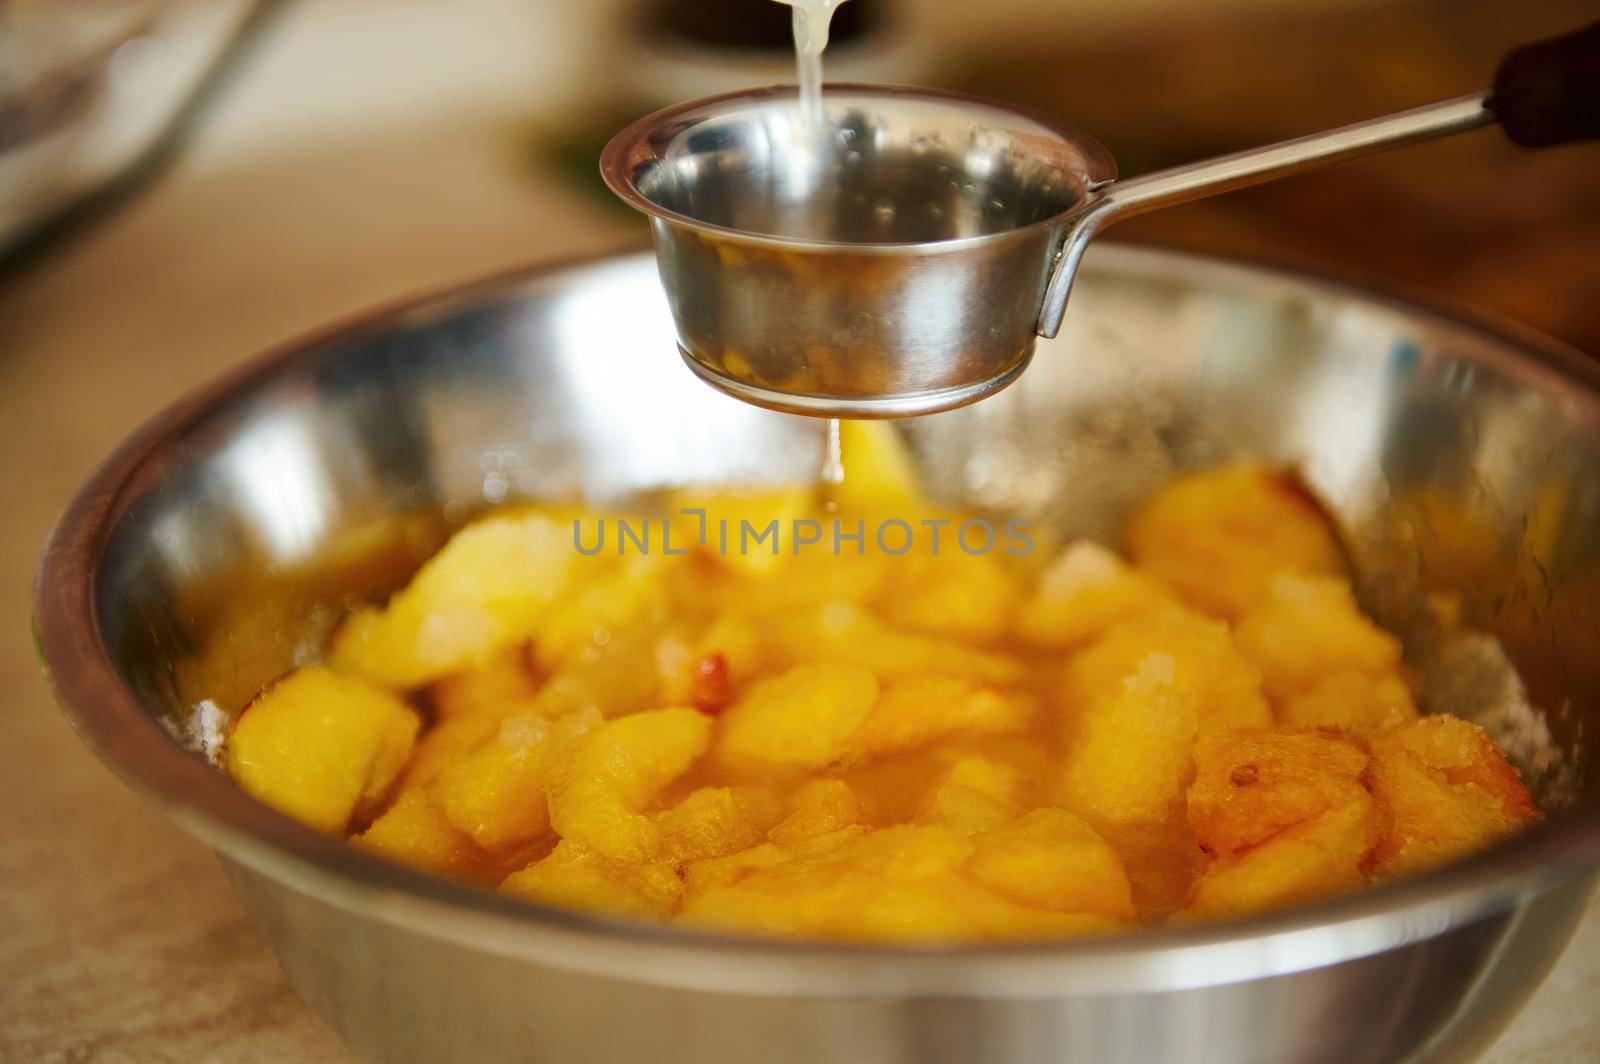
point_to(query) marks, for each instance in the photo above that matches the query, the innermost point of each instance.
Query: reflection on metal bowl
(1462, 460)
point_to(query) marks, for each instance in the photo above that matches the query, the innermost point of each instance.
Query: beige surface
(119, 938)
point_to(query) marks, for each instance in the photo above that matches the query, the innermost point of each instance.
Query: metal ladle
(903, 258)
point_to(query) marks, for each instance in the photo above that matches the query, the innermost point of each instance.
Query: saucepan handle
(1546, 93)
(1549, 93)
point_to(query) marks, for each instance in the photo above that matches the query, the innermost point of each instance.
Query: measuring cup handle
(1546, 93)
(1549, 92)
(1180, 184)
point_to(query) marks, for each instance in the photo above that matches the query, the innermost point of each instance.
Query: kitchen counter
(120, 939)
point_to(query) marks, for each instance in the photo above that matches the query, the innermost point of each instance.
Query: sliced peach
(1251, 785)
(321, 747)
(1221, 536)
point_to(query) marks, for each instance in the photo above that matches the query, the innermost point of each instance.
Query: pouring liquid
(831, 475)
(811, 20)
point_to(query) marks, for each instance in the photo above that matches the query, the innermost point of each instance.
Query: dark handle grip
(1549, 92)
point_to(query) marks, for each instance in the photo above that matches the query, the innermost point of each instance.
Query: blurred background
(184, 183)
(426, 140)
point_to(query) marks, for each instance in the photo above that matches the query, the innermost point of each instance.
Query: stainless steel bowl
(211, 550)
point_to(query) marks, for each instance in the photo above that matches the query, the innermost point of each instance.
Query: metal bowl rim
(1099, 171)
(113, 723)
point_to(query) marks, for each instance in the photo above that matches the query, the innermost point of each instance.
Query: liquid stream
(811, 21)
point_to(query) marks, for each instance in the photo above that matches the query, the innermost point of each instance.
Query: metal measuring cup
(903, 258)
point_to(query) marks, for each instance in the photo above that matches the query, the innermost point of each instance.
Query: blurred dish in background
(94, 93)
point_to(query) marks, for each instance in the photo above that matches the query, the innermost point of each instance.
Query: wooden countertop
(120, 940)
